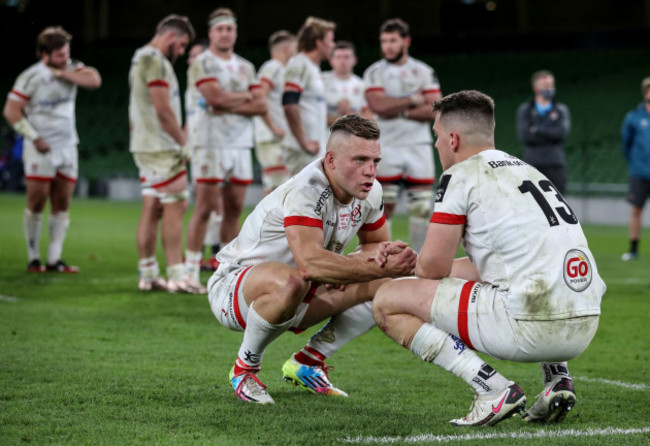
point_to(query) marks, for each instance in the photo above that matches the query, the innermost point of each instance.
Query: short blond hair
(312, 30)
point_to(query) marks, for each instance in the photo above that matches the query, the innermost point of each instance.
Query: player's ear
(329, 159)
(454, 141)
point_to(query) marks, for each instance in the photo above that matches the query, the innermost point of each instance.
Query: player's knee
(418, 203)
(382, 302)
(391, 193)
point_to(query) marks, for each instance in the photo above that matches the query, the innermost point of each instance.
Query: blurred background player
(400, 91)
(543, 124)
(344, 91)
(271, 277)
(304, 95)
(222, 133)
(41, 108)
(157, 142)
(212, 238)
(635, 136)
(271, 127)
(528, 290)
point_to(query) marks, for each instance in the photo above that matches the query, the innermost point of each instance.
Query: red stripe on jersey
(371, 89)
(254, 86)
(170, 180)
(235, 299)
(374, 226)
(66, 177)
(238, 181)
(303, 221)
(463, 304)
(274, 169)
(20, 95)
(389, 179)
(431, 90)
(268, 81)
(38, 178)
(204, 80)
(448, 219)
(420, 180)
(292, 85)
(158, 83)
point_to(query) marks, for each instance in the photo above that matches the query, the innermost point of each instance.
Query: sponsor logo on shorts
(577, 270)
(475, 293)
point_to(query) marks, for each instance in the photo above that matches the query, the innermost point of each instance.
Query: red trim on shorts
(303, 221)
(374, 226)
(171, 180)
(371, 89)
(463, 304)
(209, 180)
(268, 81)
(420, 180)
(448, 219)
(204, 80)
(235, 299)
(241, 182)
(389, 179)
(21, 95)
(67, 178)
(158, 83)
(274, 169)
(38, 178)
(291, 84)
(254, 86)
(431, 90)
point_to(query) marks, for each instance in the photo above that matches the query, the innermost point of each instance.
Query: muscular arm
(266, 117)
(13, 112)
(381, 104)
(317, 264)
(161, 102)
(436, 258)
(86, 77)
(424, 112)
(257, 106)
(221, 99)
(292, 112)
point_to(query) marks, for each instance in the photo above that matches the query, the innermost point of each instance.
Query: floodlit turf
(87, 359)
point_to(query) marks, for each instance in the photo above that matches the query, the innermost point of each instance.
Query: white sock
(447, 351)
(553, 370)
(176, 272)
(212, 234)
(342, 328)
(258, 335)
(148, 268)
(418, 227)
(32, 224)
(193, 264)
(59, 223)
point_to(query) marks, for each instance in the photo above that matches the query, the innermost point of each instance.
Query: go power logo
(577, 270)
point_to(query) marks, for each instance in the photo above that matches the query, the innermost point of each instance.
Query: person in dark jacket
(542, 126)
(635, 138)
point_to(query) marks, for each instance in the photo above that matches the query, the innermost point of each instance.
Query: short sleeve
(451, 200)
(25, 86)
(296, 74)
(304, 207)
(430, 82)
(152, 71)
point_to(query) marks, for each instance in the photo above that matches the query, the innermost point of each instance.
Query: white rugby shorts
(62, 162)
(220, 165)
(413, 163)
(477, 313)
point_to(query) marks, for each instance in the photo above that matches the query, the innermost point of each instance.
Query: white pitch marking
(430, 438)
(614, 383)
(4, 298)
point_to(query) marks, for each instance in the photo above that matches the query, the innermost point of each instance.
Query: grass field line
(543, 433)
(614, 383)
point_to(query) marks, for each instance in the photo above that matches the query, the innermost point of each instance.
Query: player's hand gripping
(398, 259)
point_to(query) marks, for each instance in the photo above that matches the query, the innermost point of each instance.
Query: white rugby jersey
(272, 73)
(521, 236)
(149, 67)
(223, 130)
(50, 103)
(337, 89)
(399, 81)
(306, 200)
(305, 75)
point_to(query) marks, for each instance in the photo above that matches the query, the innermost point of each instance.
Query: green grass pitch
(87, 359)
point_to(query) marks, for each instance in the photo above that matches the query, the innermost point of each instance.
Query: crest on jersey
(577, 270)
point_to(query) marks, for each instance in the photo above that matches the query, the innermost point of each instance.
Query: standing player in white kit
(41, 107)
